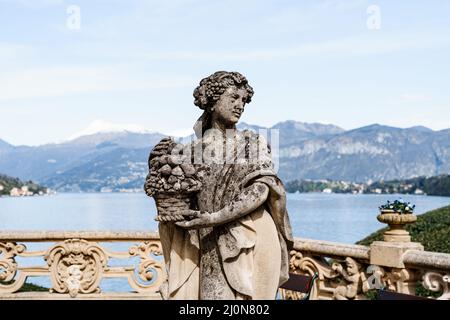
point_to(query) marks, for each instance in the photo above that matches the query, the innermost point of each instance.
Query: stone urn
(397, 223)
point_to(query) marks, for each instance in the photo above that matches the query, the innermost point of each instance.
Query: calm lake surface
(334, 217)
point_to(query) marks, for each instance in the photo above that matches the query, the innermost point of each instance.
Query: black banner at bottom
(165, 310)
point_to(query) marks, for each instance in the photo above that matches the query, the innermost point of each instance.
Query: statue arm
(246, 202)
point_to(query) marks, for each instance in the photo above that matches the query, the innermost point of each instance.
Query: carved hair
(212, 87)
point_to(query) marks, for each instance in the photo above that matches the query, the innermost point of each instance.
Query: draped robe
(247, 258)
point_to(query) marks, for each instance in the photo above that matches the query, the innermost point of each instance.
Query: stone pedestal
(396, 242)
(390, 254)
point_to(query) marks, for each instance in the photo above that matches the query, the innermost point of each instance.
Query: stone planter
(397, 223)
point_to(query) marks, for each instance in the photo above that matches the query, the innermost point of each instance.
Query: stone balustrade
(351, 272)
(76, 263)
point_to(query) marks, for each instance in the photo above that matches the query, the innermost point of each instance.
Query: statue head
(352, 266)
(222, 96)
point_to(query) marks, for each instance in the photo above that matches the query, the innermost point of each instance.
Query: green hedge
(27, 287)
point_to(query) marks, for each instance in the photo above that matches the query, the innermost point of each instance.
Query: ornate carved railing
(353, 271)
(76, 263)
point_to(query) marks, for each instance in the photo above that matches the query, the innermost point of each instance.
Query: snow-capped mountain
(101, 126)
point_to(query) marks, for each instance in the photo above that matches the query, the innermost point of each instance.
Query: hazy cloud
(68, 80)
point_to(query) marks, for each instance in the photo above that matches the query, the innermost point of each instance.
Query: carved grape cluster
(214, 90)
(170, 173)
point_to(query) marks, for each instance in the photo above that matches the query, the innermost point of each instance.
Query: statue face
(352, 267)
(229, 108)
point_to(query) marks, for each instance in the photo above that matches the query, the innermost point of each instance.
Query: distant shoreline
(288, 193)
(433, 186)
(14, 187)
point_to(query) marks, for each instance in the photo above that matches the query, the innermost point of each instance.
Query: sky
(68, 67)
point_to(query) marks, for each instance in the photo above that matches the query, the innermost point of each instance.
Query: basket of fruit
(172, 181)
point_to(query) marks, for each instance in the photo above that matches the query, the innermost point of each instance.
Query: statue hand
(190, 214)
(201, 220)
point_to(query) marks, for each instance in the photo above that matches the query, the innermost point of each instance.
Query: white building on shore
(22, 192)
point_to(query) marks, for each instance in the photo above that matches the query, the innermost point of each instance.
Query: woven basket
(169, 206)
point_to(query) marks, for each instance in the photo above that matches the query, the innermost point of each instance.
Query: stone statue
(230, 236)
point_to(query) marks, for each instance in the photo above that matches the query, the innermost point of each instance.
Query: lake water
(334, 217)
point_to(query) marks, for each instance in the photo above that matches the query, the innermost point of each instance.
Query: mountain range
(117, 161)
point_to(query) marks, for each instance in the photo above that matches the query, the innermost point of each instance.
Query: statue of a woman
(236, 245)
